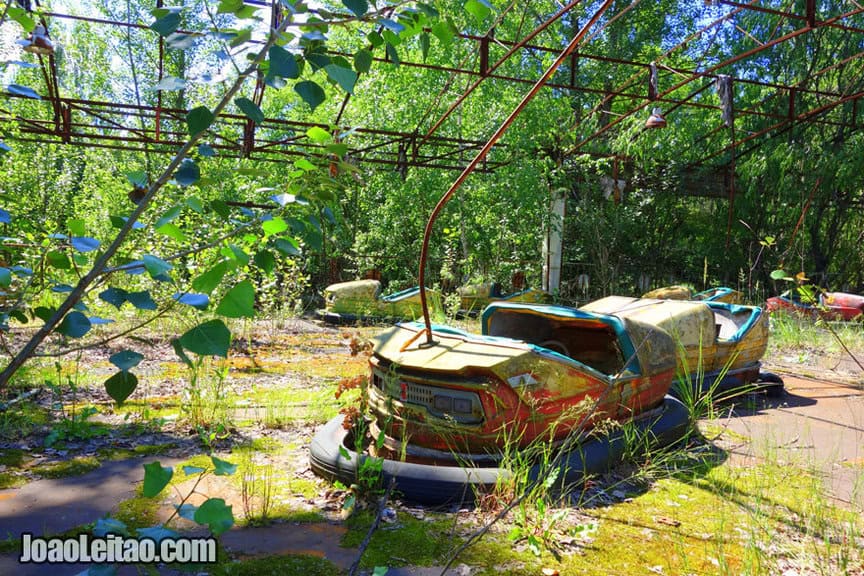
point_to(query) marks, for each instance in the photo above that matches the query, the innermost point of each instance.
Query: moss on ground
(13, 457)
(74, 467)
(138, 512)
(11, 480)
(279, 566)
(111, 453)
(407, 542)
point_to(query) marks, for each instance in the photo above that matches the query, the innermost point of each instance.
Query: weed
(257, 487)
(205, 404)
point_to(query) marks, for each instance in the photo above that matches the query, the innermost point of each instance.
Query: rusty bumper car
(448, 411)
(361, 301)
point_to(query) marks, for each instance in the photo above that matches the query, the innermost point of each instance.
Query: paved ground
(818, 423)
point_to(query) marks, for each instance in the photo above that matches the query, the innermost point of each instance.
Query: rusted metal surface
(494, 51)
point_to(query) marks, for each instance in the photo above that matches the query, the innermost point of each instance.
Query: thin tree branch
(110, 338)
(382, 503)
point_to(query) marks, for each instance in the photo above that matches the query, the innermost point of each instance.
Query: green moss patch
(111, 453)
(407, 542)
(11, 480)
(279, 566)
(14, 457)
(74, 467)
(138, 512)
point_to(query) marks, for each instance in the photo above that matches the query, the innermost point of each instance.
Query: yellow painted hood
(404, 346)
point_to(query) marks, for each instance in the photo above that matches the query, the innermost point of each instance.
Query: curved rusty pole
(482, 154)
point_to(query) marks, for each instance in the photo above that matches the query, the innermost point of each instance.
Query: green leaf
(424, 45)
(375, 39)
(241, 37)
(305, 165)
(311, 93)
(141, 300)
(236, 253)
(358, 7)
(114, 296)
(318, 135)
(265, 260)
(138, 178)
(274, 226)
(391, 38)
(229, 6)
(288, 246)
(167, 24)
(44, 313)
(209, 280)
(216, 515)
(211, 338)
(20, 16)
(121, 385)
(74, 325)
(188, 173)
(239, 302)
(338, 148)
(168, 216)
(194, 204)
(156, 478)
(363, 61)
(155, 266)
(445, 31)
(77, 226)
(345, 77)
(380, 570)
(778, 274)
(172, 231)
(126, 359)
(392, 54)
(221, 208)
(222, 467)
(58, 260)
(198, 119)
(6, 276)
(479, 9)
(250, 109)
(283, 63)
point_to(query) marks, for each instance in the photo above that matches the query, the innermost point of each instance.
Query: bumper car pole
(424, 251)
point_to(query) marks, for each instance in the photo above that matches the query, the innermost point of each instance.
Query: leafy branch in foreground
(296, 58)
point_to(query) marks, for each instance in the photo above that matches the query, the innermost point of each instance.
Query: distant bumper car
(360, 301)
(719, 294)
(719, 345)
(832, 305)
(475, 297)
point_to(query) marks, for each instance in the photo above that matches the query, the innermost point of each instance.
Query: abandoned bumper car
(361, 301)
(444, 412)
(473, 298)
(826, 305)
(718, 294)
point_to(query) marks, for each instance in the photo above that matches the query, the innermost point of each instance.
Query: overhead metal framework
(729, 126)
